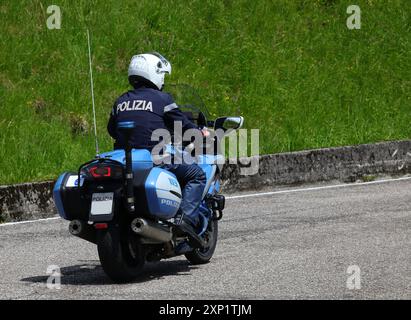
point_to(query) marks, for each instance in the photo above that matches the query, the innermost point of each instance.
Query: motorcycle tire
(202, 256)
(122, 258)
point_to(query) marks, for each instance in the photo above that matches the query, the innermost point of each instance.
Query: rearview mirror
(227, 123)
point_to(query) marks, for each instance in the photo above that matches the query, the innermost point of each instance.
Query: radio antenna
(92, 94)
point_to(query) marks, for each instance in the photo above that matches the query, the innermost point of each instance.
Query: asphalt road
(274, 246)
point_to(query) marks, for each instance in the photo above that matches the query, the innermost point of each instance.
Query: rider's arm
(173, 113)
(176, 114)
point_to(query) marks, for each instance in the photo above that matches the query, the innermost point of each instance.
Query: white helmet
(150, 66)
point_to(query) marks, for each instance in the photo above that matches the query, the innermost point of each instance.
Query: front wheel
(201, 256)
(121, 255)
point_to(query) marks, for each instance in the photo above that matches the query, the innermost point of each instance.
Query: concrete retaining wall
(346, 164)
(26, 201)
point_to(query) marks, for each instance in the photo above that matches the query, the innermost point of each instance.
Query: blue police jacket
(150, 109)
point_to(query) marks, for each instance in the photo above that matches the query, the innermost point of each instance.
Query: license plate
(102, 204)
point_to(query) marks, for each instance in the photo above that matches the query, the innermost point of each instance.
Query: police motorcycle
(127, 206)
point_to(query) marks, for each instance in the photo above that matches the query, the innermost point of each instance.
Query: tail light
(104, 170)
(100, 171)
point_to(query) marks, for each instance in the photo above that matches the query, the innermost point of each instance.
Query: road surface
(288, 244)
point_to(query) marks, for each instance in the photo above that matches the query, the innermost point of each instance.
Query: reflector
(100, 226)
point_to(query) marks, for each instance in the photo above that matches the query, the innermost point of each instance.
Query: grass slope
(291, 68)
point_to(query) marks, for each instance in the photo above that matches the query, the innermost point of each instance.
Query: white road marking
(27, 221)
(253, 195)
(316, 188)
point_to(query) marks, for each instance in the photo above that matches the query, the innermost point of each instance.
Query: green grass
(368, 178)
(291, 68)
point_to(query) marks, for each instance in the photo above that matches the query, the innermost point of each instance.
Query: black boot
(185, 226)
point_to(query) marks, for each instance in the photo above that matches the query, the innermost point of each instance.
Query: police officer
(152, 109)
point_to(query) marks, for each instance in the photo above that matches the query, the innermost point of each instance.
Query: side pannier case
(66, 194)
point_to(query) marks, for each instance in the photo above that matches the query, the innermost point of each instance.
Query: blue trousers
(192, 180)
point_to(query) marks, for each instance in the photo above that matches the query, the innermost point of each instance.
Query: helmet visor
(164, 61)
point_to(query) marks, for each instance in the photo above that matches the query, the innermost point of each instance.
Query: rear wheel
(121, 255)
(201, 256)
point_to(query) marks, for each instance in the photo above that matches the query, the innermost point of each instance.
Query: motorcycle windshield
(188, 100)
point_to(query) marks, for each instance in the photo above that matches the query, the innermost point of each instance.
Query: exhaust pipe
(151, 230)
(82, 230)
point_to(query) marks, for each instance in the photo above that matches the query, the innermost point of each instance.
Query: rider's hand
(205, 132)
